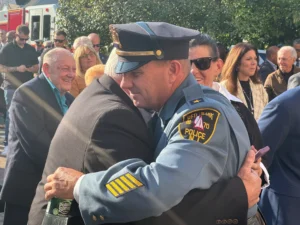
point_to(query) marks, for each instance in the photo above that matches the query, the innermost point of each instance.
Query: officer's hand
(61, 184)
(21, 68)
(250, 179)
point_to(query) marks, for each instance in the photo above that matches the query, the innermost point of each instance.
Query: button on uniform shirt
(11, 55)
(61, 99)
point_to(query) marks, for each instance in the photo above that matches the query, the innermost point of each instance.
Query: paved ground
(2, 166)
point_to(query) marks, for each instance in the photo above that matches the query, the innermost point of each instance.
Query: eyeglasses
(58, 40)
(203, 63)
(97, 45)
(85, 56)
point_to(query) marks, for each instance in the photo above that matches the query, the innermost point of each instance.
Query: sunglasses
(58, 40)
(22, 39)
(97, 45)
(203, 63)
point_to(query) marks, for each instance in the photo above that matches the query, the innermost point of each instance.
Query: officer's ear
(175, 69)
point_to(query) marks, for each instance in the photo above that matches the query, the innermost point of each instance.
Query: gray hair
(290, 49)
(55, 54)
(111, 65)
(83, 40)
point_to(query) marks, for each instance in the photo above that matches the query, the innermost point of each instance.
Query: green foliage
(261, 22)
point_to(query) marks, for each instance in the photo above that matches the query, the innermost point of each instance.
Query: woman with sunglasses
(206, 66)
(85, 57)
(240, 77)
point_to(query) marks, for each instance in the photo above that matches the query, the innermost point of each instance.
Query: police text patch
(199, 125)
(123, 185)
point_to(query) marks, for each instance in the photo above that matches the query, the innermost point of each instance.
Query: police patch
(199, 125)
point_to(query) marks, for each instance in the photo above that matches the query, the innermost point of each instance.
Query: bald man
(36, 110)
(95, 38)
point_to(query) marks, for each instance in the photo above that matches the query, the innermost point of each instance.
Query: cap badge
(115, 37)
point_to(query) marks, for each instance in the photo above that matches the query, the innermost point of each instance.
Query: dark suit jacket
(34, 117)
(280, 128)
(265, 69)
(106, 128)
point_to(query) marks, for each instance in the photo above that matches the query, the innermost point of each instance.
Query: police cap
(141, 42)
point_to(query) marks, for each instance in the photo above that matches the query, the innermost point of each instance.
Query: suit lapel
(49, 94)
(240, 93)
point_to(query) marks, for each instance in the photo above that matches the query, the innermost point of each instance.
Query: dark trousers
(15, 214)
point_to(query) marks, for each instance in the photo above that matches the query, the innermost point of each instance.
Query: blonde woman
(85, 57)
(240, 77)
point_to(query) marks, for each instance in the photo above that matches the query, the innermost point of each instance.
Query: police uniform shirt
(204, 141)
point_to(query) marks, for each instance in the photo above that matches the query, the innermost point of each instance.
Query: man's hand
(251, 179)
(256, 164)
(33, 69)
(21, 68)
(61, 184)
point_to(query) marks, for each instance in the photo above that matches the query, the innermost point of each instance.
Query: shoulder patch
(199, 125)
(123, 185)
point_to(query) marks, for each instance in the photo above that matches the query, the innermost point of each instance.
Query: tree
(262, 22)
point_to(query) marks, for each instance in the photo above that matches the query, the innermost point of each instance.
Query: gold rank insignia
(123, 185)
(199, 125)
(195, 101)
(115, 37)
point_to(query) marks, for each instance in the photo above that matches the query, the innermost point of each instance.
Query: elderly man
(201, 139)
(296, 45)
(270, 64)
(95, 39)
(36, 110)
(276, 82)
(280, 128)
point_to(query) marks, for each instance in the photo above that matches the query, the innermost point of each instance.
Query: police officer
(202, 138)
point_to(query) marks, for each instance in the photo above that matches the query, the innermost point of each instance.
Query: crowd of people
(133, 138)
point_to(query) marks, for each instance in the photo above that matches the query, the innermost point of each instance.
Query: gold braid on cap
(115, 36)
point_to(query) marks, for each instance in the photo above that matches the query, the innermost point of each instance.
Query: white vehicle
(41, 21)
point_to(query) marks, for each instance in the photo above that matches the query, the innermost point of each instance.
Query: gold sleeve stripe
(116, 187)
(127, 182)
(121, 184)
(134, 180)
(111, 190)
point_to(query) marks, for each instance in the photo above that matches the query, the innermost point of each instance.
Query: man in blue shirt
(36, 111)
